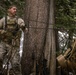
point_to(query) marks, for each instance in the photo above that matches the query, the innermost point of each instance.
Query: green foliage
(65, 18)
(4, 4)
(65, 13)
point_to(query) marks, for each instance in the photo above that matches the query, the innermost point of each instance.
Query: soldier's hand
(3, 31)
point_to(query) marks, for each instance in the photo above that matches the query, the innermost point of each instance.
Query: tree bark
(36, 19)
(39, 40)
(50, 48)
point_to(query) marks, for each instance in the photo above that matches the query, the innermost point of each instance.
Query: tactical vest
(11, 28)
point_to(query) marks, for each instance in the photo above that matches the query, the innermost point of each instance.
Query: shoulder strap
(5, 24)
(17, 21)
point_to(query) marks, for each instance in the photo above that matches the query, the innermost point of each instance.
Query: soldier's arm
(21, 24)
(1, 25)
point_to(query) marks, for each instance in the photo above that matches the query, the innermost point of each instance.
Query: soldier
(10, 26)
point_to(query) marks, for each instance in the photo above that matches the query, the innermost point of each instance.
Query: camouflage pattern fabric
(12, 32)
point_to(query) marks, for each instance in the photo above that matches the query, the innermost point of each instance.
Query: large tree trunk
(50, 48)
(38, 19)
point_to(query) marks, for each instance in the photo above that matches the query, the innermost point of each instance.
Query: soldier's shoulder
(20, 20)
(2, 19)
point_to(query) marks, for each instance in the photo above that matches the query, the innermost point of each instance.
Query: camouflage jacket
(10, 26)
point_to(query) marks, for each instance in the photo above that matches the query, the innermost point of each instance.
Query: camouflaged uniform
(10, 41)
